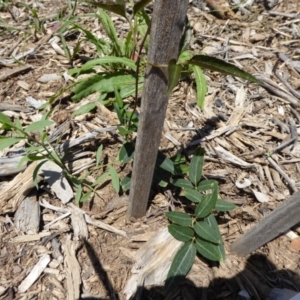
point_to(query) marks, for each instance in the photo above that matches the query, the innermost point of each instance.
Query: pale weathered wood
(166, 31)
(276, 223)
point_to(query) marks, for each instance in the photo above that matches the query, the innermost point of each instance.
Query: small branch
(281, 172)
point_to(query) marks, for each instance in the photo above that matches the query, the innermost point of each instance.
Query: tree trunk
(166, 31)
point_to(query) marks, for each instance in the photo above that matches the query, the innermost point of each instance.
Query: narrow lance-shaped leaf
(36, 173)
(101, 178)
(196, 166)
(174, 75)
(110, 30)
(7, 142)
(201, 86)
(114, 179)
(85, 197)
(84, 109)
(99, 154)
(117, 8)
(183, 234)
(223, 205)
(78, 194)
(181, 265)
(38, 125)
(104, 61)
(180, 218)
(218, 65)
(140, 5)
(5, 120)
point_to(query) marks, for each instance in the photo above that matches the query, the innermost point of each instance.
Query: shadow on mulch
(252, 279)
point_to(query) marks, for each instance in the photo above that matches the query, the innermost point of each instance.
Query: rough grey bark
(166, 30)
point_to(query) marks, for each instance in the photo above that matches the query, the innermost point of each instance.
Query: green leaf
(103, 61)
(160, 178)
(184, 56)
(183, 234)
(23, 161)
(196, 166)
(174, 75)
(118, 98)
(39, 125)
(181, 265)
(117, 8)
(206, 232)
(223, 205)
(114, 179)
(99, 154)
(36, 173)
(180, 218)
(123, 131)
(78, 194)
(183, 183)
(212, 222)
(206, 185)
(218, 65)
(208, 250)
(186, 37)
(125, 183)
(19, 127)
(164, 163)
(84, 109)
(34, 157)
(85, 197)
(110, 30)
(140, 5)
(5, 120)
(65, 48)
(101, 178)
(193, 195)
(201, 86)
(103, 83)
(7, 142)
(126, 152)
(221, 250)
(204, 208)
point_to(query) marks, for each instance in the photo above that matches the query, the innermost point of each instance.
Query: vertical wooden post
(166, 30)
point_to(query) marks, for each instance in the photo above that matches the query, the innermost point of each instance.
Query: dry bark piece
(221, 8)
(153, 261)
(276, 223)
(30, 237)
(229, 157)
(14, 193)
(34, 274)
(15, 71)
(27, 216)
(72, 268)
(78, 222)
